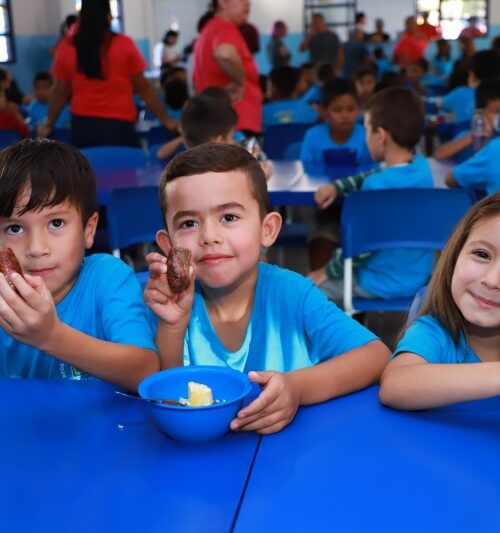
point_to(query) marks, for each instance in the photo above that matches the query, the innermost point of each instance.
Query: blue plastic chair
(133, 217)
(157, 135)
(416, 304)
(396, 218)
(292, 151)
(8, 137)
(279, 136)
(115, 157)
(61, 134)
(340, 157)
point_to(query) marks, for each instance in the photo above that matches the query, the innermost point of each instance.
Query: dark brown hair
(439, 300)
(54, 171)
(400, 112)
(213, 157)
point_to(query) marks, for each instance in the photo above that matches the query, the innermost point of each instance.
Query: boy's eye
(56, 223)
(14, 229)
(188, 224)
(229, 217)
(482, 254)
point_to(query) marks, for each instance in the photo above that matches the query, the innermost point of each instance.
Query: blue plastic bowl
(196, 424)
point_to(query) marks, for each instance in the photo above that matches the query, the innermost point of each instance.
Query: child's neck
(230, 309)
(397, 155)
(484, 342)
(339, 137)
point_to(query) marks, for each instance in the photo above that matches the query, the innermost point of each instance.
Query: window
(453, 15)
(116, 13)
(7, 54)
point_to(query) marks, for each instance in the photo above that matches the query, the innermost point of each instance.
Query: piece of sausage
(178, 260)
(9, 264)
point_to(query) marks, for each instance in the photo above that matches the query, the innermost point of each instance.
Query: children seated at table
(284, 107)
(461, 147)
(43, 87)
(460, 101)
(239, 312)
(10, 115)
(324, 73)
(68, 316)
(458, 324)
(394, 121)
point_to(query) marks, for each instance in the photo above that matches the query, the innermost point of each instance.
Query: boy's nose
(210, 234)
(491, 276)
(37, 246)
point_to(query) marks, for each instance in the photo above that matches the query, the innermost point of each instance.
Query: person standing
(278, 53)
(323, 44)
(222, 59)
(411, 46)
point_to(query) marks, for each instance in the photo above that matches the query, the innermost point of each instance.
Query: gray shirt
(324, 48)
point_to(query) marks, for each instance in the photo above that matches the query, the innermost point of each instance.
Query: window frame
(9, 35)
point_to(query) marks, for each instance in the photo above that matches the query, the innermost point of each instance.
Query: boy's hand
(274, 408)
(325, 196)
(173, 309)
(318, 276)
(29, 317)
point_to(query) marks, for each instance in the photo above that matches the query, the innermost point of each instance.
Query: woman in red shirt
(222, 59)
(99, 71)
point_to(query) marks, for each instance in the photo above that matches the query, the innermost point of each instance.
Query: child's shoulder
(279, 282)
(103, 270)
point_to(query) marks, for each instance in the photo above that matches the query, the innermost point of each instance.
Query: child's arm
(60, 97)
(173, 311)
(169, 148)
(452, 148)
(31, 318)
(410, 382)
(283, 393)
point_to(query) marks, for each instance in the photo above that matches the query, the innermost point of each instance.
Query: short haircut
(168, 34)
(365, 70)
(54, 171)
(488, 91)
(325, 72)
(216, 93)
(359, 16)
(214, 157)
(486, 64)
(422, 62)
(203, 119)
(43, 76)
(336, 88)
(389, 79)
(285, 79)
(400, 112)
(175, 91)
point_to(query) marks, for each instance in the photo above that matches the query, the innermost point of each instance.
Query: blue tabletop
(75, 457)
(351, 465)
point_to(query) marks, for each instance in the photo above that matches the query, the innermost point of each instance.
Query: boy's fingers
(263, 423)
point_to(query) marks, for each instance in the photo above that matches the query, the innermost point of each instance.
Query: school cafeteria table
(351, 465)
(74, 456)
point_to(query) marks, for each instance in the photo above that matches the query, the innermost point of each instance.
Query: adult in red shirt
(427, 30)
(222, 59)
(411, 46)
(99, 71)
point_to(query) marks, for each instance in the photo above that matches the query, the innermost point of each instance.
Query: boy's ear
(271, 226)
(382, 135)
(163, 241)
(90, 229)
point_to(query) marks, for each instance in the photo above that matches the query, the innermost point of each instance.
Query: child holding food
(66, 316)
(239, 312)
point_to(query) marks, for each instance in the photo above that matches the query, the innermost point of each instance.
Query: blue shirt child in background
(254, 317)
(458, 324)
(392, 140)
(284, 107)
(43, 87)
(71, 317)
(324, 73)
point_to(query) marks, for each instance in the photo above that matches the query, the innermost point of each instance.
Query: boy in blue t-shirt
(68, 316)
(238, 312)
(43, 87)
(394, 121)
(284, 107)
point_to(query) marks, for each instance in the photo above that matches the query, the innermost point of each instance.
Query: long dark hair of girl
(93, 31)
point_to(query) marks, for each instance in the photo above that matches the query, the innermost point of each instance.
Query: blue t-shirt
(318, 139)
(467, 152)
(312, 95)
(481, 171)
(288, 112)
(442, 67)
(105, 302)
(37, 112)
(292, 325)
(398, 273)
(461, 102)
(427, 338)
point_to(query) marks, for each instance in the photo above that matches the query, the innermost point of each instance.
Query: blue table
(351, 465)
(75, 457)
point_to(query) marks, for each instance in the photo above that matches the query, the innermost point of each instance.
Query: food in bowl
(199, 394)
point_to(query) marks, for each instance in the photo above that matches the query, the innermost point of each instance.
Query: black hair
(359, 16)
(216, 93)
(93, 33)
(214, 157)
(176, 93)
(389, 79)
(487, 91)
(486, 64)
(423, 63)
(285, 80)
(325, 72)
(379, 52)
(53, 171)
(204, 118)
(4, 74)
(43, 76)
(168, 34)
(365, 70)
(335, 88)
(67, 23)
(440, 55)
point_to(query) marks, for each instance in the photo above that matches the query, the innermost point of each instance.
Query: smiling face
(475, 285)
(49, 243)
(216, 216)
(341, 113)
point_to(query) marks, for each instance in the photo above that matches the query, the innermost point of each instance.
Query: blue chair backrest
(339, 156)
(292, 151)
(401, 218)
(279, 136)
(133, 216)
(8, 137)
(115, 157)
(157, 135)
(61, 134)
